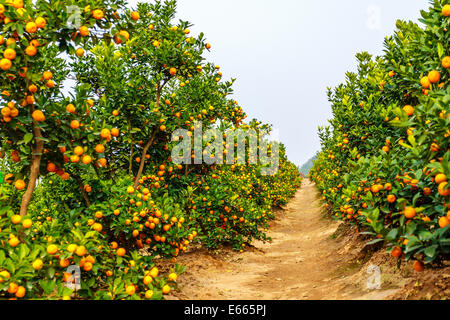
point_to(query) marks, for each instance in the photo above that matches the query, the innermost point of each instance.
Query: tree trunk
(144, 154)
(83, 192)
(34, 169)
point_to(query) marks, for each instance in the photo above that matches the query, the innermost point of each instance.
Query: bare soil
(311, 257)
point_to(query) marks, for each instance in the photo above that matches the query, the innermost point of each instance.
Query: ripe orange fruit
(80, 251)
(37, 264)
(64, 263)
(40, 22)
(409, 110)
(434, 76)
(13, 287)
(70, 108)
(86, 159)
(135, 15)
(5, 64)
(52, 249)
(162, 128)
(173, 71)
(31, 51)
(15, 219)
(130, 290)
(100, 148)
(102, 162)
(74, 124)
(31, 27)
(443, 222)
(442, 191)
(98, 14)
(14, 242)
(32, 88)
(105, 134)
(425, 82)
(391, 198)
(50, 84)
(124, 35)
(9, 53)
(446, 10)
(397, 252)
(418, 266)
(38, 116)
(27, 223)
(121, 252)
(115, 132)
(148, 294)
(208, 46)
(410, 212)
(84, 31)
(440, 178)
(19, 184)
(47, 75)
(78, 150)
(79, 52)
(446, 62)
(115, 113)
(166, 289)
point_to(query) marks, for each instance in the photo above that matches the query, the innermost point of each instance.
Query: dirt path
(303, 261)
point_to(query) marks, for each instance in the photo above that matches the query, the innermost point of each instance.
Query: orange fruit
(425, 82)
(64, 263)
(5, 64)
(4, 275)
(70, 108)
(78, 150)
(31, 51)
(446, 62)
(409, 110)
(14, 242)
(446, 10)
(434, 76)
(102, 162)
(32, 88)
(50, 84)
(443, 222)
(79, 52)
(148, 294)
(38, 116)
(51, 167)
(15, 219)
(37, 264)
(52, 249)
(162, 128)
(115, 113)
(115, 132)
(84, 31)
(74, 124)
(397, 252)
(47, 75)
(98, 14)
(105, 133)
(100, 148)
(440, 178)
(27, 223)
(31, 27)
(124, 35)
(442, 191)
(418, 266)
(121, 252)
(208, 46)
(391, 198)
(86, 159)
(80, 251)
(166, 289)
(13, 287)
(40, 22)
(130, 290)
(410, 212)
(9, 53)
(173, 71)
(19, 184)
(135, 15)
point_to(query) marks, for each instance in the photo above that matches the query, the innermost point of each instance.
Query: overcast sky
(285, 53)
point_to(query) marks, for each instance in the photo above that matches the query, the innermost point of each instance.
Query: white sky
(285, 53)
